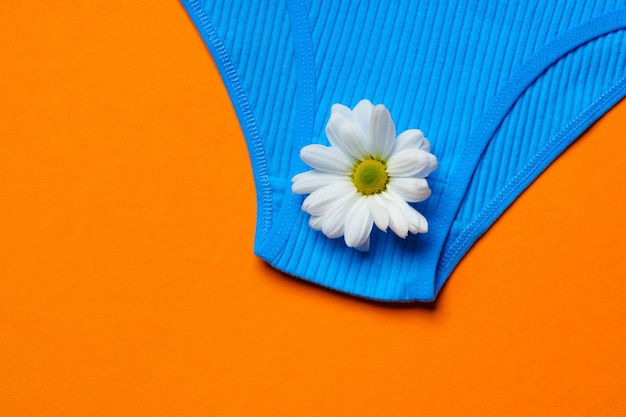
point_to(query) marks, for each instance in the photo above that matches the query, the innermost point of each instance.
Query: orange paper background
(128, 286)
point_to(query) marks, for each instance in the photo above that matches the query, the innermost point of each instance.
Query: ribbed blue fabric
(499, 88)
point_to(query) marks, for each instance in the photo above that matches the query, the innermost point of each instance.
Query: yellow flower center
(370, 176)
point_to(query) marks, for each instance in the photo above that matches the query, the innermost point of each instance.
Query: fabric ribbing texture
(500, 89)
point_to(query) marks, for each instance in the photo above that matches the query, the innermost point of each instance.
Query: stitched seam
(239, 96)
(467, 233)
(580, 32)
(305, 93)
(562, 43)
(490, 117)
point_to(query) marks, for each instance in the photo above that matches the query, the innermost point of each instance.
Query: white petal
(309, 181)
(416, 222)
(422, 226)
(354, 140)
(345, 134)
(358, 224)
(341, 110)
(365, 246)
(334, 224)
(335, 218)
(318, 201)
(412, 139)
(378, 211)
(397, 220)
(326, 159)
(430, 166)
(412, 190)
(339, 116)
(362, 113)
(382, 132)
(316, 222)
(410, 162)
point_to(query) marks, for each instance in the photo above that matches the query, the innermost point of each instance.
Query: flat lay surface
(128, 285)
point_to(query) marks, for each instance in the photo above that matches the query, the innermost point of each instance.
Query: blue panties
(499, 88)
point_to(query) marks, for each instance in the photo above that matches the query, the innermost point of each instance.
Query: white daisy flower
(367, 176)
